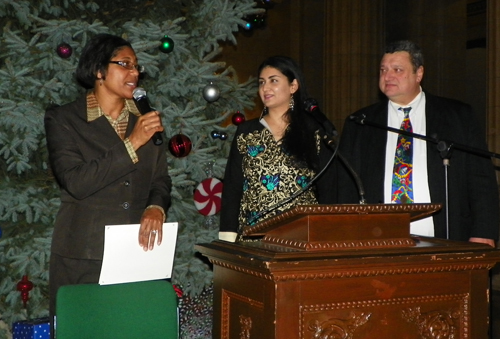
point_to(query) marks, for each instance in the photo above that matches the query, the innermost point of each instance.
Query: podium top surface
(435, 250)
(415, 211)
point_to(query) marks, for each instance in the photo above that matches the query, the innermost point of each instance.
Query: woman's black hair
(299, 140)
(95, 57)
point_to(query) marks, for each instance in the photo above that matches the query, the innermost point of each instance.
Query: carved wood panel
(241, 316)
(427, 317)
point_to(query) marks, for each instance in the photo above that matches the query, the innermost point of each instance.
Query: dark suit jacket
(473, 192)
(100, 185)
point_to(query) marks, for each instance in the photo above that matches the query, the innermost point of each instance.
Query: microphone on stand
(311, 106)
(358, 119)
(142, 103)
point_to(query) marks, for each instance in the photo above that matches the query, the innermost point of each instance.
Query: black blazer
(473, 192)
(100, 185)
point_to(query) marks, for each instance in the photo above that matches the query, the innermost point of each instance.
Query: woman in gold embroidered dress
(276, 155)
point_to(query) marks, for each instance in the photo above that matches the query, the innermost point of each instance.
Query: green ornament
(167, 44)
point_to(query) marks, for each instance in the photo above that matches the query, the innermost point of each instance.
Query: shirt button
(126, 183)
(125, 205)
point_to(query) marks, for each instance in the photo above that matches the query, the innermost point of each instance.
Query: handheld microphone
(142, 103)
(311, 106)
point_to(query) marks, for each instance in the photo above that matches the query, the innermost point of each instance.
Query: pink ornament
(207, 196)
(64, 50)
(238, 118)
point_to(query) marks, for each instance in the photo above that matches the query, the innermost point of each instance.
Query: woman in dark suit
(108, 169)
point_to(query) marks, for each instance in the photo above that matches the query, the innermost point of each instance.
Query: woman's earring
(264, 112)
(292, 102)
(100, 82)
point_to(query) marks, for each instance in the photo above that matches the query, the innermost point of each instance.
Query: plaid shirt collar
(94, 111)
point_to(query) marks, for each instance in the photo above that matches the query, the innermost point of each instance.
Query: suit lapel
(374, 152)
(96, 132)
(101, 132)
(435, 171)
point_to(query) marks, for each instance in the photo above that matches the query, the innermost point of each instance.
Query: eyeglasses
(128, 65)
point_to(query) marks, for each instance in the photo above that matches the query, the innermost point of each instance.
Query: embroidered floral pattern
(270, 176)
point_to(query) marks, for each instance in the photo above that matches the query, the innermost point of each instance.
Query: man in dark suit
(472, 187)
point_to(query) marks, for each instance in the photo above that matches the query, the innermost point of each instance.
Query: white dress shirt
(424, 227)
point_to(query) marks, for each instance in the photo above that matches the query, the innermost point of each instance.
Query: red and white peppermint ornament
(207, 196)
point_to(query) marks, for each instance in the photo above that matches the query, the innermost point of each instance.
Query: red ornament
(25, 286)
(179, 145)
(238, 118)
(178, 291)
(207, 196)
(64, 50)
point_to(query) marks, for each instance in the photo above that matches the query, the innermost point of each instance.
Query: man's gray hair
(416, 56)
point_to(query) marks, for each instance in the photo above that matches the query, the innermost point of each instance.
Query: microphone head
(310, 104)
(139, 93)
(358, 119)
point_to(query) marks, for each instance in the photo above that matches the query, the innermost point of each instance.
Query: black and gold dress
(260, 174)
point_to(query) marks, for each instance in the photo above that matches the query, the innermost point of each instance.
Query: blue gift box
(31, 329)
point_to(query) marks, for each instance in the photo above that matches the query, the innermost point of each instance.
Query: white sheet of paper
(125, 261)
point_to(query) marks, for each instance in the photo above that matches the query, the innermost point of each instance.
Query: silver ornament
(211, 92)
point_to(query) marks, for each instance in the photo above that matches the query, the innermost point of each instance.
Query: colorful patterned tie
(402, 183)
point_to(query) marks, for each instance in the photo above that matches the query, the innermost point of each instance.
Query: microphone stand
(330, 142)
(445, 148)
(442, 145)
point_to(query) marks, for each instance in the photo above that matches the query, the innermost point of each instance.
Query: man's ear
(420, 73)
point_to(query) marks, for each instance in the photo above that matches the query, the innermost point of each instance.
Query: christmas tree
(177, 42)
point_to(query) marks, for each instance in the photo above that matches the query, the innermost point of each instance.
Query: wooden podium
(350, 272)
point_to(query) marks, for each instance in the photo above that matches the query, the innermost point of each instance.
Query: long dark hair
(95, 57)
(299, 140)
